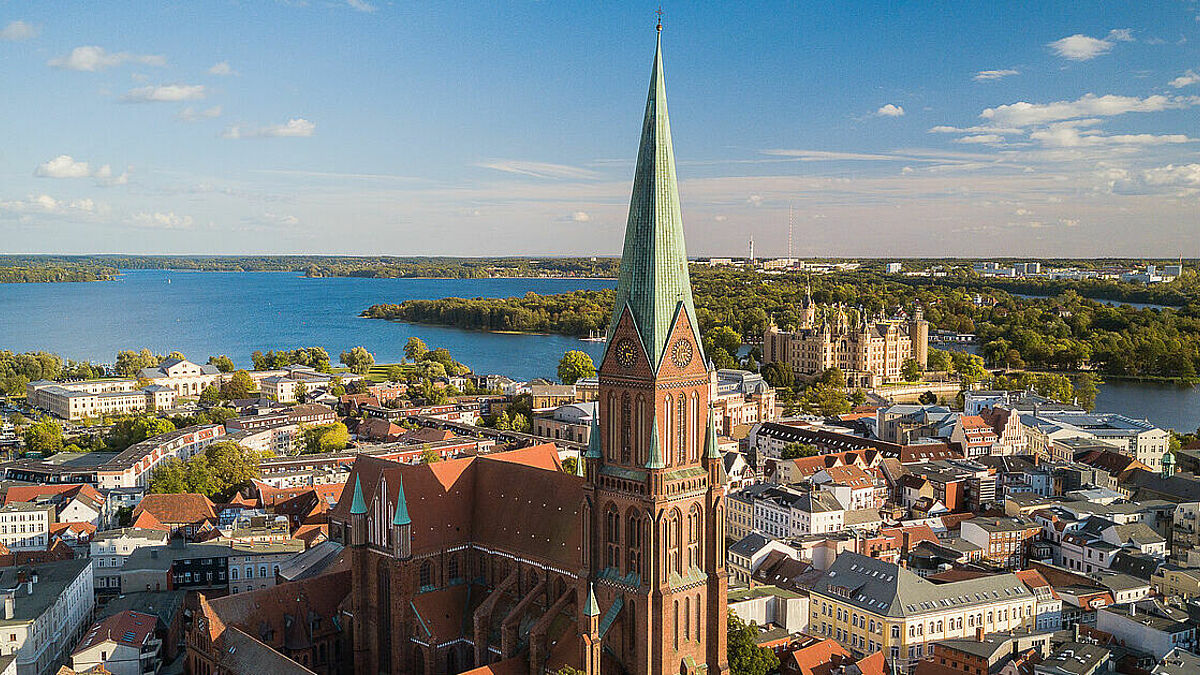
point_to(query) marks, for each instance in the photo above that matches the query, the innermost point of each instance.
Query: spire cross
(659, 13)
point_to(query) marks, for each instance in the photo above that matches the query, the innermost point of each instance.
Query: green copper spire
(591, 607)
(401, 517)
(358, 506)
(710, 438)
(593, 449)
(654, 272)
(656, 458)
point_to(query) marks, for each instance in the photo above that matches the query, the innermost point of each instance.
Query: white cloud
(985, 75)
(63, 166)
(361, 5)
(45, 204)
(890, 110)
(983, 139)
(17, 31)
(538, 169)
(280, 219)
(1067, 135)
(297, 127)
(580, 217)
(1188, 78)
(1022, 114)
(221, 68)
(92, 58)
(754, 200)
(167, 93)
(162, 221)
(190, 114)
(975, 130)
(1080, 47)
(1184, 175)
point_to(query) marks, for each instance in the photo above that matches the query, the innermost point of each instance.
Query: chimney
(979, 634)
(1076, 631)
(9, 606)
(1133, 609)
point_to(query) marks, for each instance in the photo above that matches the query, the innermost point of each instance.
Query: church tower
(655, 478)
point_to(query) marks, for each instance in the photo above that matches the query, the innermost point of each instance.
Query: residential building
(748, 553)
(869, 605)
(185, 514)
(124, 644)
(975, 436)
(1076, 658)
(990, 654)
(740, 398)
(1138, 439)
(303, 621)
(1180, 582)
(73, 502)
(218, 567)
(218, 649)
(869, 350)
(1005, 542)
(132, 467)
(109, 549)
(1151, 625)
(570, 422)
(25, 526)
(46, 609)
(1048, 608)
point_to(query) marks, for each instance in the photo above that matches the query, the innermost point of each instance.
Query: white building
(25, 526)
(46, 608)
(132, 467)
(96, 398)
(109, 549)
(123, 643)
(185, 377)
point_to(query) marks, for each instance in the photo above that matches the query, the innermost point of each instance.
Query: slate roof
(887, 589)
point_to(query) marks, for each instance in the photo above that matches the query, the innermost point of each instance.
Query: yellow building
(1177, 581)
(869, 605)
(869, 351)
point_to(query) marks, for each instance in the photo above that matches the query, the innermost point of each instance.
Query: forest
(1066, 332)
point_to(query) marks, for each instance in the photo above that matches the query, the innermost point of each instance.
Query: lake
(235, 313)
(1110, 303)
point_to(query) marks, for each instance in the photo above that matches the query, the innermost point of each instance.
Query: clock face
(627, 353)
(681, 353)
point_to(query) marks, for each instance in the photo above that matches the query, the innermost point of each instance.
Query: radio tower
(751, 249)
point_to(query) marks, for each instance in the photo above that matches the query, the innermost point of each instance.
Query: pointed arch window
(682, 423)
(667, 450)
(626, 422)
(612, 537)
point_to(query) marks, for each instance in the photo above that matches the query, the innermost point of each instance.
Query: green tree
(169, 477)
(44, 436)
(429, 455)
(910, 370)
(301, 392)
(415, 349)
(778, 375)
(14, 384)
(927, 398)
(745, 656)
(222, 362)
(722, 359)
(940, 360)
(575, 365)
(798, 450)
(395, 374)
(211, 394)
(520, 423)
(325, 438)
(130, 363)
(239, 386)
(232, 466)
(722, 337)
(220, 415)
(858, 396)
(570, 465)
(1086, 390)
(358, 360)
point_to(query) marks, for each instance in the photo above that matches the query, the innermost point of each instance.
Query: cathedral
(870, 351)
(504, 563)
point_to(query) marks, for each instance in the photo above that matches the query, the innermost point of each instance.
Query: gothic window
(665, 436)
(633, 543)
(676, 623)
(695, 421)
(674, 535)
(699, 613)
(626, 421)
(383, 618)
(632, 623)
(682, 423)
(641, 432)
(695, 520)
(426, 575)
(687, 618)
(612, 535)
(614, 425)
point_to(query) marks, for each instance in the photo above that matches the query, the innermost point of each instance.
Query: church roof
(653, 281)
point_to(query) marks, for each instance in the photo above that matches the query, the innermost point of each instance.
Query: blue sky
(510, 128)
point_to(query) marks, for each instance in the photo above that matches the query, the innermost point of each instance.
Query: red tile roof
(177, 509)
(127, 628)
(819, 658)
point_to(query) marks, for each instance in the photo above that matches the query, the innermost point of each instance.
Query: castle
(870, 351)
(505, 563)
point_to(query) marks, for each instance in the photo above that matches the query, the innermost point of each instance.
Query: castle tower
(658, 543)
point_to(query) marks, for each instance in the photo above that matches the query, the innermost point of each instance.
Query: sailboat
(595, 336)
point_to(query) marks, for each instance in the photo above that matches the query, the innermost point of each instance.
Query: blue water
(236, 313)
(1110, 303)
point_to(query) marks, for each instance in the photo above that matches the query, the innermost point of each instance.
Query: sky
(381, 127)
